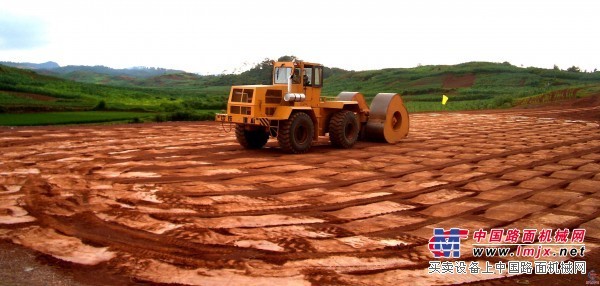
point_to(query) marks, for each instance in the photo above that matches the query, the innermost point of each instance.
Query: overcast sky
(213, 36)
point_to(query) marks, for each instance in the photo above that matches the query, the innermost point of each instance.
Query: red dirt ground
(452, 81)
(426, 81)
(578, 109)
(182, 203)
(31, 95)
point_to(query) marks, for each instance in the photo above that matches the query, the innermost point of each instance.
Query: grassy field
(71, 117)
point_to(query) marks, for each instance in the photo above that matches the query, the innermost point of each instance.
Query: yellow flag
(444, 99)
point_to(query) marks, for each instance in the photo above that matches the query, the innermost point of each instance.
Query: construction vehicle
(293, 111)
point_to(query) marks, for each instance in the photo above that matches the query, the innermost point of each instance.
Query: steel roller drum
(347, 95)
(388, 119)
(354, 96)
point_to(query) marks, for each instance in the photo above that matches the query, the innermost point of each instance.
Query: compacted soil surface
(183, 203)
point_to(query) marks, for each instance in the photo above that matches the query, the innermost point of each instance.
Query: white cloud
(212, 36)
(20, 33)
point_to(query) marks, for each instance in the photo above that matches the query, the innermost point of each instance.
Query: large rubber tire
(296, 134)
(343, 129)
(251, 139)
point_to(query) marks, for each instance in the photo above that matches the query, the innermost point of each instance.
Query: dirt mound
(586, 108)
(582, 107)
(453, 81)
(588, 101)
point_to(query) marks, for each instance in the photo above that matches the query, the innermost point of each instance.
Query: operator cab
(309, 75)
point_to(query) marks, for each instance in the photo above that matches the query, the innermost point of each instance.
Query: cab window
(297, 76)
(318, 76)
(282, 74)
(307, 78)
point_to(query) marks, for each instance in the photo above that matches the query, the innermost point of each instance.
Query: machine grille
(269, 111)
(234, 109)
(273, 96)
(242, 95)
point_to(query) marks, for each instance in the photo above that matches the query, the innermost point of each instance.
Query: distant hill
(472, 85)
(259, 74)
(157, 77)
(46, 65)
(136, 72)
(94, 74)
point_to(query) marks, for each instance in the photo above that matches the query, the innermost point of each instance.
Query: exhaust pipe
(290, 81)
(293, 97)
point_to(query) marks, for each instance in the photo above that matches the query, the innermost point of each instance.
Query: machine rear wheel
(251, 139)
(343, 129)
(296, 134)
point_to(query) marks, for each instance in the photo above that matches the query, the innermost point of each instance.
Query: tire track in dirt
(80, 226)
(332, 216)
(330, 207)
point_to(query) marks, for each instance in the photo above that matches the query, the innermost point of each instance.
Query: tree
(101, 105)
(556, 68)
(574, 69)
(287, 58)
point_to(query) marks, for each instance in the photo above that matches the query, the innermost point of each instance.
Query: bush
(204, 103)
(170, 106)
(190, 116)
(502, 102)
(100, 106)
(194, 104)
(180, 116)
(160, 118)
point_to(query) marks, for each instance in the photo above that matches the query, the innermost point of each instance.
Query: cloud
(20, 33)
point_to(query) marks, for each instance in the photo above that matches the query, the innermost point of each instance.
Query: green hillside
(473, 85)
(25, 91)
(180, 96)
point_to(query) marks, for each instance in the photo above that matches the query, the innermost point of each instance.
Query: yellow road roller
(293, 111)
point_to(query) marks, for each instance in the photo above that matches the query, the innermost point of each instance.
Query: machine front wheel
(296, 134)
(251, 138)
